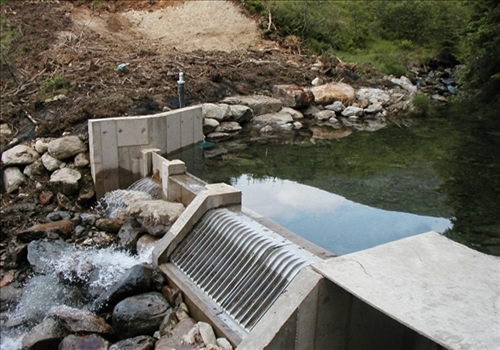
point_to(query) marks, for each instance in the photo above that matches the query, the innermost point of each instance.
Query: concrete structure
(422, 292)
(120, 147)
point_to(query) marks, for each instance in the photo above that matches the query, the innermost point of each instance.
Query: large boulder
(66, 147)
(273, 119)
(329, 93)
(136, 280)
(293, 95)
(405, 83)
(219, 112)
(352, 111)
(139, 314)
(230, 127)
(259, 104)
(19, 155)
(241, 114)
(373, 95)
(46, 335)
(155, 215)
(209, 125)
(77, 321)
(88, 341)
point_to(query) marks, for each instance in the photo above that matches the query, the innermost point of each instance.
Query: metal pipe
(180, 86)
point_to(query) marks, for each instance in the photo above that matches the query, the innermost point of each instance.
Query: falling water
(75, 276)
(114, 202)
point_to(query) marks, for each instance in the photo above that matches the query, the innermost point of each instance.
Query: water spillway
(239, 263)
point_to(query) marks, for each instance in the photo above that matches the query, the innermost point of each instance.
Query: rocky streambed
(53, 294)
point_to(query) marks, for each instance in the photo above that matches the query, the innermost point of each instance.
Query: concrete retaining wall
(119, 146)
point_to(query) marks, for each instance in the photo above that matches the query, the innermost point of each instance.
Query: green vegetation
(391, 35)
(7, 34)
(53, 85)
(420, 105)
(482, 51)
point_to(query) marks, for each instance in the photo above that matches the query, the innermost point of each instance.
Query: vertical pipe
(180, 86)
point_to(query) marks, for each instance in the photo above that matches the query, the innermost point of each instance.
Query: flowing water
(71, 276)
(368, 188)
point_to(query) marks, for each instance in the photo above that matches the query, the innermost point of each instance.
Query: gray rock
(139, 315)
(136, 280)
(42, 145)
(241, 114)
(141, 342)
(405, 83)
(268, 129)
(259, 104)
(87, 342)
(310, 111)
(5, 130)
(81, 160)
(19, 155)
(129, 234)
(207, 333)
(228, 127)
(297, 125)
(174, 339)
(77, 321)
(51, 163)
(58, 215)
(273, 119)
(38, 251)
(353, 112)
(156, 216)
(294, 113)
(324, 115)
(13, 179)
(66, 180)
(336, 106)
(46, 335)
(219, 136)
(169, 322)
(66, 147)
(219, 112)
(224, 344)
(374, 108)
(209, 125)
(373, 95)
(9, 297)
(88, 219)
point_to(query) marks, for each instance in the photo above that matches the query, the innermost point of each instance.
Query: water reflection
(331, 221)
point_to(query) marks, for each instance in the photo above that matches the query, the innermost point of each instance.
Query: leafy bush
(420, 105)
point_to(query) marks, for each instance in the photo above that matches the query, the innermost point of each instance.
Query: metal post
(180, 86)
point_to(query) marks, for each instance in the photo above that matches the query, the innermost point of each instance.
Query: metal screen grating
(242, 265)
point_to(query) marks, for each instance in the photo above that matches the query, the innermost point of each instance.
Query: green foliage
(482, 44)
(7, 34)
(55, 84)
(358, 27)
(420, 105)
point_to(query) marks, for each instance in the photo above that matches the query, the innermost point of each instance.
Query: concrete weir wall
(120, 148)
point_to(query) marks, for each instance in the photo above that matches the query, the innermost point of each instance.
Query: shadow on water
(438, 169)
(471, 173)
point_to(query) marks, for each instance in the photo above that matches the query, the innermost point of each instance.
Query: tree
(482, 42)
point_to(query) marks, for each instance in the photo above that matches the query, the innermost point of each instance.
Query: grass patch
(389, 57)
(54, 85)
(7, 34)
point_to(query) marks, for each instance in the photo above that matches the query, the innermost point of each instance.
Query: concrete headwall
(119, 146)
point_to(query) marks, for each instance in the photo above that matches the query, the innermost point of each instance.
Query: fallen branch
(30, 117)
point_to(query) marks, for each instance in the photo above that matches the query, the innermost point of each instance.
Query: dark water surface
(368, 188)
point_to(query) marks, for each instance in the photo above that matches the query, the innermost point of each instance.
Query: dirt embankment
(73, 49)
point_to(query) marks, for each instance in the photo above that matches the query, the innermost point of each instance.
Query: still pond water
(367, 188)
